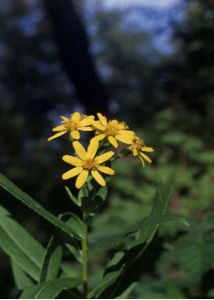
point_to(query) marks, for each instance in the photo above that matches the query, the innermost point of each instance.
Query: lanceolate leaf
(52, 260)
(75, 252)
(140, 226)
(50, 289)
(74, 222)
(35, 206)
(22, 248)
(159, 208)
(22, 280)
(161, 200)
(53, 256)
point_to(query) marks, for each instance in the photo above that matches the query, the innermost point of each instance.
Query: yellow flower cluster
(107, 135)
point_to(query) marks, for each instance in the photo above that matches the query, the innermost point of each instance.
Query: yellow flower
(113, 130)
(87, 163)
(73, 125)
(138, 148)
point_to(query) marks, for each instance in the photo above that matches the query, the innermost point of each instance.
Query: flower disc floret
(90, 164)
(77, 122)
(113, 130)
(86, 163)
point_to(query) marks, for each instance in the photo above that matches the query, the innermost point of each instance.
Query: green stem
(85, 257)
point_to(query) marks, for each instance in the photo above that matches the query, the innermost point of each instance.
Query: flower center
(137, 144)
(112, 129)
(90, 164)
(71, 125)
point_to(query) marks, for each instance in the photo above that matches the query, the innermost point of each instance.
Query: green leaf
(22, 248)
(140, 226)
(71, 196)
(101, 194)
(109, 278)
(159, 208)
(32, 204)
(83, 198)
(122, 272)
(156, 220)
(52, 261)
(104, 284)
(83, 193)
(75, 252)
(73, 245)
(127, 292)
(22, 280)
(161, 200)
(50, 289)
(75, 223)
(97, 198)
(53, 255)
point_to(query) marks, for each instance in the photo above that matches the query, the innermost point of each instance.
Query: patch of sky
(156, 22)
(154, 17)
(157, 4)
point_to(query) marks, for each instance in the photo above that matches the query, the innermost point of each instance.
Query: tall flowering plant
(89, 163)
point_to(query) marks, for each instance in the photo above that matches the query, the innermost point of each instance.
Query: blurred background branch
(74, 48)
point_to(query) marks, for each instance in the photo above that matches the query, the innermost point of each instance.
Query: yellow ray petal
(56, 135)
(71, 173)
(113, 141)
(134, 152)
(127, 132)
(98, 137)
(75, 161)
(146, 157)
(76, 116)
(81, 179)
(75, 134)
(97, 125)
(98, 177)
(147, 149)
(103, 119)
(142, 161)
(92, 148)
(122, 126)
(106, 170)
(86, 128)
(103, 157)
(64, 118)
(59, 128)
(86, 121)
(79, 149)
(124, 137)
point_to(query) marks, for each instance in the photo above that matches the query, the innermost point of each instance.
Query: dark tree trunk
(73, 46)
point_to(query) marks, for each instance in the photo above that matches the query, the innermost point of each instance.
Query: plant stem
(85, 257)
